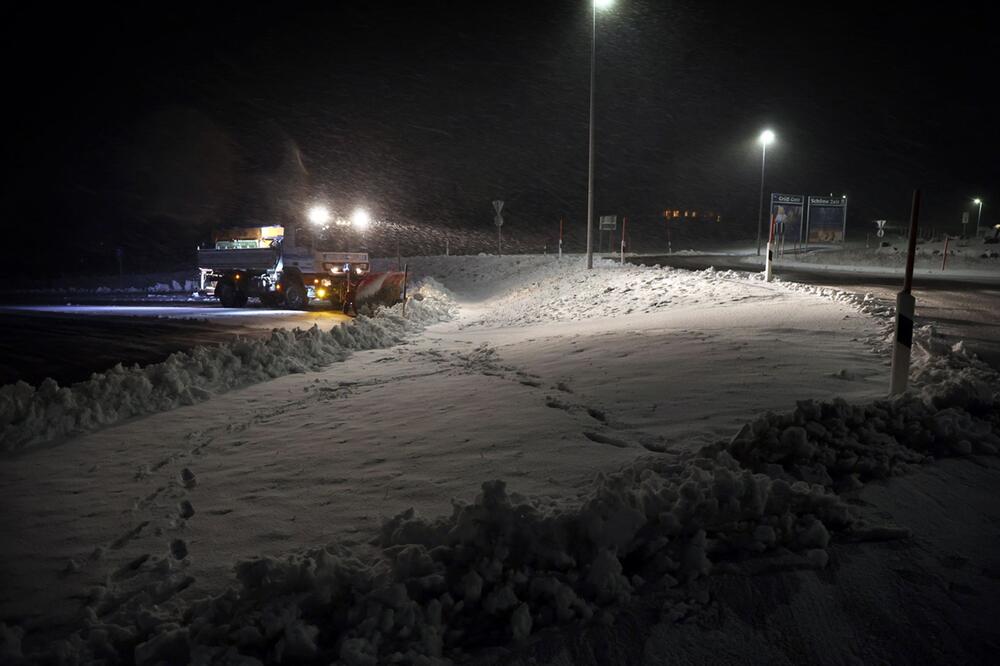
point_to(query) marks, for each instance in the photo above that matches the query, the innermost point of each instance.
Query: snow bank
(29, 414)
(520, 290)
(503, 567)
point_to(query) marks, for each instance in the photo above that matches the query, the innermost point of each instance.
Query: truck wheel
(227, 295)
(296, 297)
(241, 299)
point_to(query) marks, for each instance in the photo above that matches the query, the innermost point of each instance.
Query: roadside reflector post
(624, 221)
(905, 306)
(406, 269)
(560, 236)
(769, 260)
(944, 255)
(446, 246)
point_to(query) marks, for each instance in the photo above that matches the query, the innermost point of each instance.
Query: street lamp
(596, 4)
(766, 137)
(978, 202)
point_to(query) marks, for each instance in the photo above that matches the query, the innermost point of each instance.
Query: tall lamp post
(978, 202)
(766, 137)
(596, 4)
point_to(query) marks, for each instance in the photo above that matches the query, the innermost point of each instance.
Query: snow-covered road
(69, 342)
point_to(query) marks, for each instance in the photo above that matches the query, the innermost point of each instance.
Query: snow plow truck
(262, 263)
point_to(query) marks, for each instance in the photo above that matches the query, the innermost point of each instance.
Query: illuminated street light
(766, 137)
(360, 219)
(978, 202)
(319, 215)
(597, 4)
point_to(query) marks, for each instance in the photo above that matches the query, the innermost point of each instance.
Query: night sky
(143, 128)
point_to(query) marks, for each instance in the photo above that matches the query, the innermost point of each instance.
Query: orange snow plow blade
(377, 289)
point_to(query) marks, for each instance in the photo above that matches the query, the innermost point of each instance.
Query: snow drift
(29, 415)
(503, 567)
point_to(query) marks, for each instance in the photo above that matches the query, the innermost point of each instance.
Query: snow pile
(521, 290)
(503, 567)
(29, 414)
(483, 276)
(495, 571)
(953, 408)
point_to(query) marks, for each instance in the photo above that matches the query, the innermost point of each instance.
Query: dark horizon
(145, 127)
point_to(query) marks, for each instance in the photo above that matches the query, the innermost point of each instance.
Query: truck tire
(241, 299)
(296, 296)
(228, 295)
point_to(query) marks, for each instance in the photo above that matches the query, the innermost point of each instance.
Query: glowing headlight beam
(360, 219)
(319, 215)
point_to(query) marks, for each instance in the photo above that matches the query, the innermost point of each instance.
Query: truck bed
(254, 259)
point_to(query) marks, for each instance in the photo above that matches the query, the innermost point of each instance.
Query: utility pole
(905, 305)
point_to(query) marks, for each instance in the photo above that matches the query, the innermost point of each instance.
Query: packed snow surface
(605, 420)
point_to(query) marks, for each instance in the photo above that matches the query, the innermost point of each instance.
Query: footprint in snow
(178, 549)
(605, 439)
(185, 509)
(597, 415)
(555, 404)
(188, 478)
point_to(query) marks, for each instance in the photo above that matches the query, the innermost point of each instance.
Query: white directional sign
(498, 220)
(498, 206)
(965, 217)
(609, 222)
(881, 228)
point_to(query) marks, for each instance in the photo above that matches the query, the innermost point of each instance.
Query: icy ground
(644, 511)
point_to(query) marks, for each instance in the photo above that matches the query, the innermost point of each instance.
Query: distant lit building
(692, 214)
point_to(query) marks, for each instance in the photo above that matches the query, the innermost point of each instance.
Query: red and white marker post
(905, 306)
(768, 267)
(624, 220)
(560, 236)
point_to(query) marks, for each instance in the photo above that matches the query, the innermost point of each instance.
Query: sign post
(498, 220)
(670, 248)
(903, 339)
